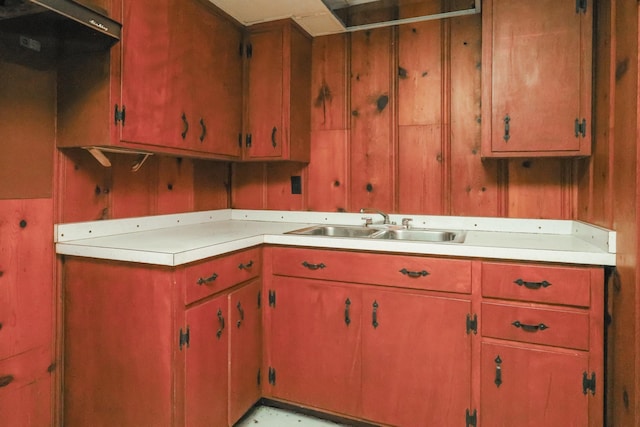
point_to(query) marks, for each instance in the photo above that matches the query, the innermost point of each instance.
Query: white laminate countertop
(178, 239)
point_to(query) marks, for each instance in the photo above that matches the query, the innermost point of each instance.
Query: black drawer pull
(498, 380)
(246, 266)
(532, 285)
(414, 273)
(203, 281)
(186, 126)
(241, 313)
(374, 317)
(203, 134)
(6, 380)
(314, 266)
(347, 317)
(530, 328)
(221, 322)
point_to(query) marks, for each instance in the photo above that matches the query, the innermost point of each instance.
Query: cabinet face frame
(500, 135)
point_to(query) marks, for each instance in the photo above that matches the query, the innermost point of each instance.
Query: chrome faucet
(384, 215)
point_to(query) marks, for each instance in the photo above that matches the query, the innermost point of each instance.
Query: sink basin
(336, 231)
(414, 234)
(422, 235)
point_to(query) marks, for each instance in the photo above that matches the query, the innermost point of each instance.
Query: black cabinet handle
(186, 126)
(6, 380)
(374, 319)
(246, 266)
(532, 285)
(414, 273)
(241, 312)
(203, 281)
(530, 328)
(347, 306)
(313, 266)
(221, 322)
(273, 136)
(203, 134)
(498, 380)
(507, 120)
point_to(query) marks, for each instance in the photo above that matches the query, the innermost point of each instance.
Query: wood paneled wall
(396, 126)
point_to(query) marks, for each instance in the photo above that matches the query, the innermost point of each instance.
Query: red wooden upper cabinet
(277, 116)
(536, 77)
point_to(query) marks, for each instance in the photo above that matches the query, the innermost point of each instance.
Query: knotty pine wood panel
(421, 170)
(175, 185)
(27, 131)
(540, 188)
(372, 146)
(328, 171)
(474, 185)
(279, 194)
(249, 186)
(211, 185)
(132, 192)
(329, 82)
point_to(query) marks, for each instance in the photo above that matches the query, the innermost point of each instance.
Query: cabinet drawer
(547, 284)
(413, 272)
(536, 325)
(214, 275)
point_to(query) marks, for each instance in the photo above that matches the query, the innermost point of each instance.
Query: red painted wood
(314, 352)
(279, 192)
(26, 400)
(131, 312)
(539, 69)
(248, 186)
(329, 83)
(206, 367)
(449, 275)
(245, 349)
(26, 164)
(372, 145)
(132, 193)
(211, 186)
(566, 285)
(566, 328)
(328, 177)
(175, 183)
(540, 386)
(416, 364)
(26, 275)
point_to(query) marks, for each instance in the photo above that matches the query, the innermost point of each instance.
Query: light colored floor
(265, 416)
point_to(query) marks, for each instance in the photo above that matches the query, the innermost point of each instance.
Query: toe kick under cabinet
(149, 345)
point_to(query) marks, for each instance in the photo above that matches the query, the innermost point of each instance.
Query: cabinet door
(314, 333)
(245, 334)
(531, 386)
(538, 61)
(149, 73)
(210, 84)
(416, 359)
(265, 98)
(206, 364)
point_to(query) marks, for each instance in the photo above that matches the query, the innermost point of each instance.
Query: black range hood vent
(37, 33)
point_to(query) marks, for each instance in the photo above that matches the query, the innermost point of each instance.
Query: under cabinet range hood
(36, 33)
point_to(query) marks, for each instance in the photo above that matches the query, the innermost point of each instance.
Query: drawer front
(214, 275)
(413, 272)
(547, 284)
(559, 328)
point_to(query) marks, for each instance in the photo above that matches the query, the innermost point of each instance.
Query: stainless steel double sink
(384, 232)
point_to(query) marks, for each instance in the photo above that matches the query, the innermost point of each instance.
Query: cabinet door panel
(315, 353)
(538, 387)
(206, 364)
(265, 100)
(245, 333)
(416, 367)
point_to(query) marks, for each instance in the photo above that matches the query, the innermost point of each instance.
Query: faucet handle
(406, 222)
(367, 220)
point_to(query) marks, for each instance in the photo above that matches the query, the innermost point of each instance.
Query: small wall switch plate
(296, 185)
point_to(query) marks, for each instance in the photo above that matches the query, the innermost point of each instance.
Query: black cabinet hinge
(119, 115)
(184, 338)
(589, 384)
(272, 376)
(259, 299)
(272, 298)
(581, 6)
(472, 324)
(580, 128)
(248, 141)
(249, 50)
(472, 418)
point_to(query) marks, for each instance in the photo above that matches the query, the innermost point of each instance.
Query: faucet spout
(384, 215)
